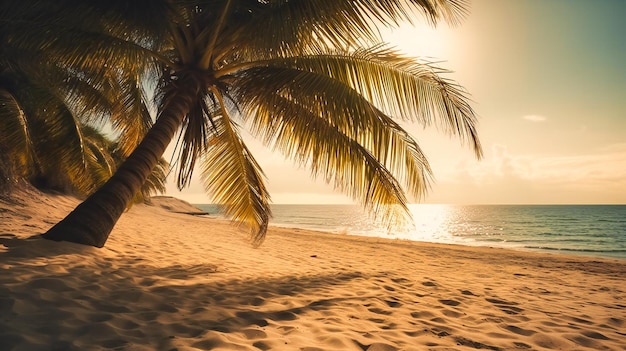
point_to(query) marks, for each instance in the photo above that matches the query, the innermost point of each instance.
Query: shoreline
(172, 281)
(589, 253)
(547, 251)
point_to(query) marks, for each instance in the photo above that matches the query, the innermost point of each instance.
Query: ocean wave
(615, 251)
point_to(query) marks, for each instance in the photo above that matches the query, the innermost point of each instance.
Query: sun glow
(431, 223)
(420, 41)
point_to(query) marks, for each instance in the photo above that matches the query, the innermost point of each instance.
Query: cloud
(535, 118)
(595, 177)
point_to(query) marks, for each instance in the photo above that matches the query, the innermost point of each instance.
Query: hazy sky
(548, 81)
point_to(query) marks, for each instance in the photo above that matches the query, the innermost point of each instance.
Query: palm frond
(59, 142)
(233, 177)
(398, 85)
(342, 138)
(193, 141)
(316, 143)
(281, 27)
(65, 30)
(155, 184)
(99, 161)
(342, 107)
(15, 133)
(215, 30)
(130, 114)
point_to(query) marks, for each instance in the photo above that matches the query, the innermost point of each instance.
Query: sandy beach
(173, 281)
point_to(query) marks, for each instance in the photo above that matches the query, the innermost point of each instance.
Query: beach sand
(172, 281)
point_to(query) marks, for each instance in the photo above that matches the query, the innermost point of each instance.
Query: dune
(172, 281)
(175, 205)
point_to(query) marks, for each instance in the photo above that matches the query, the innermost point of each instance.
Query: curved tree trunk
(91, 222)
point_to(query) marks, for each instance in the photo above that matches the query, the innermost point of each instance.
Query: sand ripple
(175, 282)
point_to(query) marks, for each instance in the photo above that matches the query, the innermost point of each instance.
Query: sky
(548, 82)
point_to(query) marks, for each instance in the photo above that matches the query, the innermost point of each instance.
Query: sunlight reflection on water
(597, 230)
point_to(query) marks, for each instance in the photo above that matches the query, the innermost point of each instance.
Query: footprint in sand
(617, 322)
(520, 331)
(381, 347)
(283, 316)
(402, 281)
(261, 345)
(507, 307)
(377, 346)
(580, 320)
(450, 302)
(422, 314)
(389, 288)
(252, 318)
(208, 344)
(595, 335)
(453, 314)
(379, 311)
(521, 345)
(475, 344)
(257, 301)
(393, 304)
(251, 334)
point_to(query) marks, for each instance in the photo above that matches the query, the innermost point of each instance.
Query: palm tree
(295, 74)
(50, 145)
(42, 135)
(47, 107)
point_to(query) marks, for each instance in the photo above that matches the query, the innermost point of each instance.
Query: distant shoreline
(581, 230)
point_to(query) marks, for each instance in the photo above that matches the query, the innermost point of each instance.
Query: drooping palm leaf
(341, 160)
(362, 156)
(401, 86)
(130, 116)
(100, 162)
(193, 141)
(155, 184)
(15, 134)
(233, 177)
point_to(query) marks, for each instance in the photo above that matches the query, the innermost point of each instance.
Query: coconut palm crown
(309, 79)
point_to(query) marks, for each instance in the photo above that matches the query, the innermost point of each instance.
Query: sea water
(592, 230)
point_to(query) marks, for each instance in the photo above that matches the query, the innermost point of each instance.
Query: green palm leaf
(342, 107)
(130, 115)
(233, 177)
(15, 133)
(193, 139)
(281, 27)
(343, 138)
(345, 162)
(398, 85)
(60, 144)
(99, 162)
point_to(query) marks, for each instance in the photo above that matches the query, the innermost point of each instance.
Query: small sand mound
(175, 205)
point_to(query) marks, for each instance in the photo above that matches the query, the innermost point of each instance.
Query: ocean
(591, 230)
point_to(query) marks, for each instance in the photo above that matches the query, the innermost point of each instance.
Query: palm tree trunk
(91, 222)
